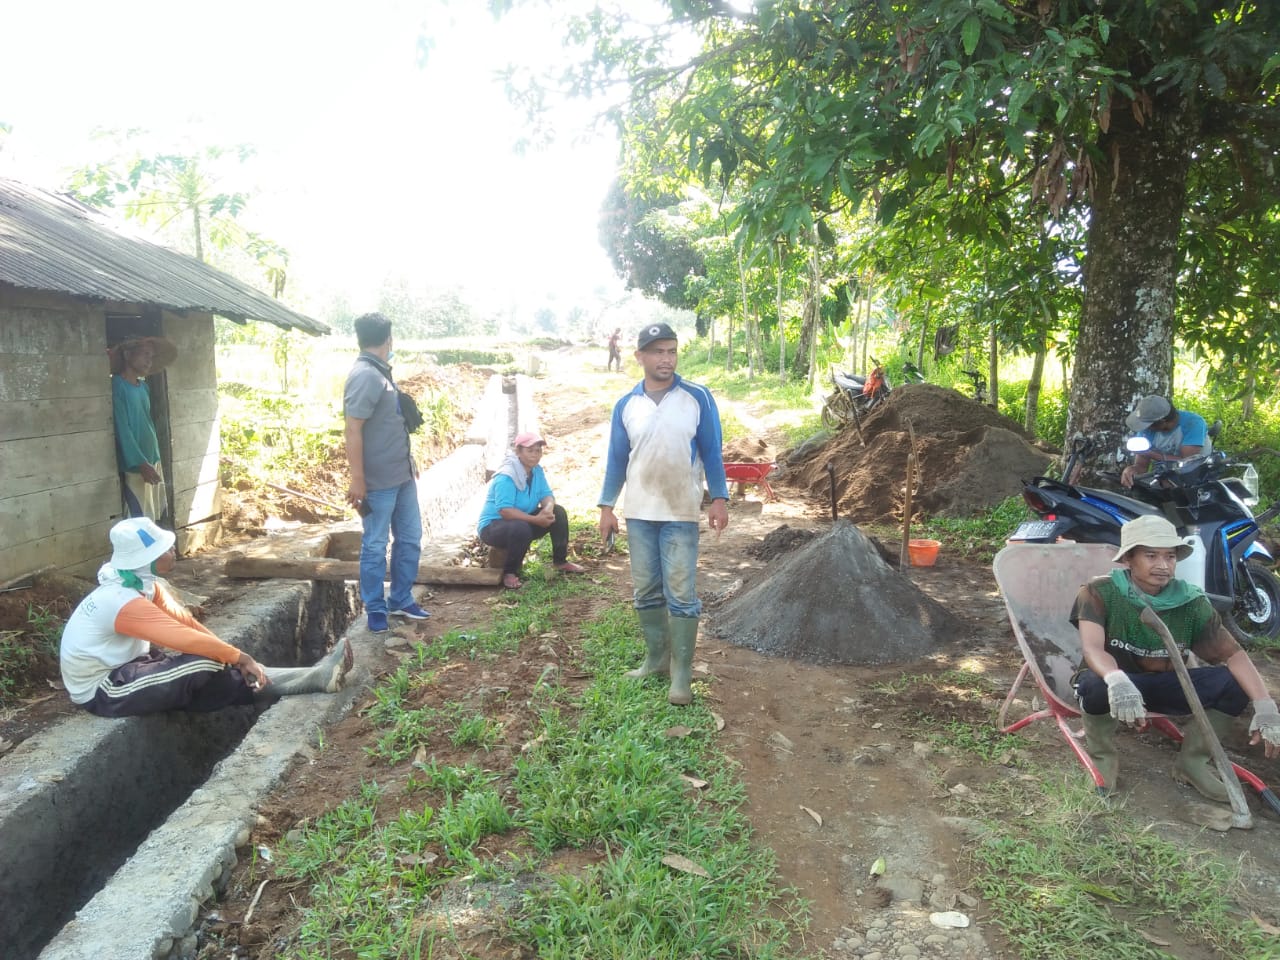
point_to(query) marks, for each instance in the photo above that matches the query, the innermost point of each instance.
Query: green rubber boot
(1100, 743)
(684, 637)
(1195, 766)
(657, 643)
(325, 676)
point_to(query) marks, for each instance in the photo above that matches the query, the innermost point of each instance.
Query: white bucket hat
(1150, 530)
(137, 541)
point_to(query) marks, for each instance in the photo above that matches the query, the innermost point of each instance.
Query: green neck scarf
(1175, 593)
(130, 580)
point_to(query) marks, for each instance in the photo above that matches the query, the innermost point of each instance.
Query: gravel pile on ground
(834, 601)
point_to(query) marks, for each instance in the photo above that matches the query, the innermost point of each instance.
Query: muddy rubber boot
(684, 636)
(1100, 744)
(1195, 766)
(657, 643)
(325, 676)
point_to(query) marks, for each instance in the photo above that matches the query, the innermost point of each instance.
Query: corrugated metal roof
(54, 243)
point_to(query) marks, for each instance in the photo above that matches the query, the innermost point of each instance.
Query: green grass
(601, 775)
(1073, 874)
(20, 650)
(978, 537)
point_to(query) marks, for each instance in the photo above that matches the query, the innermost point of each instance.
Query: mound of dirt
(969, 458)
(869, 613)
(748, 450)
(778, 541)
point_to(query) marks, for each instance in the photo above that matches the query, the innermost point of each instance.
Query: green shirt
(136, 441)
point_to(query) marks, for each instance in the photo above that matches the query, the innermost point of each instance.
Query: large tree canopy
(1112, 120)
(650, 259)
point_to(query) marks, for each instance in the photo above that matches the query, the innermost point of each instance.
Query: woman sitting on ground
(521, 508)
(130, 648)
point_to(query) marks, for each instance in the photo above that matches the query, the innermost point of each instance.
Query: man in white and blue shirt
(664, 437)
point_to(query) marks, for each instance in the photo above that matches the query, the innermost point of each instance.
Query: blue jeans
(664, 565)
(392, 511)
(1162, 693)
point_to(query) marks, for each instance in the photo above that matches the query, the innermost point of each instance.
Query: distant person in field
(520, 508)
(137, 447)
(663, 439)
(130, 648)
(615, 353)
(384, 484)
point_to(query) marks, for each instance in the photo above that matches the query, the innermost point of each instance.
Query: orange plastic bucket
(923, 553)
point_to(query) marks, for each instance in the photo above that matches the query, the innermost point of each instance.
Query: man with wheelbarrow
(1127, 670)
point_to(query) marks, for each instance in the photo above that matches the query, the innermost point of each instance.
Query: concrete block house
(71, 287)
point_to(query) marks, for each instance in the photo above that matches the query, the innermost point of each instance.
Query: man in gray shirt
(384, 486)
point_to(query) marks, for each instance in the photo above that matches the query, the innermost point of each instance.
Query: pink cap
(527, 439)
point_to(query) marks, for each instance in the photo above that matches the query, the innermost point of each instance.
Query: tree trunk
(1032, 407)
(993, 365)
(711, 338)
(1246, 401)
(866, 326)
(924, 338)
(746, 317)
(1124, 350)
(782, 333)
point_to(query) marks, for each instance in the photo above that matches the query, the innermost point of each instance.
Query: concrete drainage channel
(113, 833)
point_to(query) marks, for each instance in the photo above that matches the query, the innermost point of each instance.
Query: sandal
(511, 582)
(570, 567)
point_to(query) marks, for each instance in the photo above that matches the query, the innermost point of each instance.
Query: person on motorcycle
(1174, 435)
(1127, 670)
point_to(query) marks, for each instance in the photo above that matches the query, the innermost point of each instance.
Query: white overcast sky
(366, 161)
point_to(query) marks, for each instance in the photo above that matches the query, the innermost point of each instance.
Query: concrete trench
(113, 833)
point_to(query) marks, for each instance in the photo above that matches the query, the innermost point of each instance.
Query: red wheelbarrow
(744, 473)
(1039, 582)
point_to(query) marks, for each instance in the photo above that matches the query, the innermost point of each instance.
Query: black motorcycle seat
(1136, 507)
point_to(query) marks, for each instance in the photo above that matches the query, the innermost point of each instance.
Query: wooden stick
(904, 556)
(307, 496)
(1241, 817)
(240, 564)
(253, 904)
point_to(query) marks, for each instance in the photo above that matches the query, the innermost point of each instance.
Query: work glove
(1124, 697)
(1266, 720)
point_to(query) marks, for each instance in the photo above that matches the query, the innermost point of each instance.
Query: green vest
(1127, 634)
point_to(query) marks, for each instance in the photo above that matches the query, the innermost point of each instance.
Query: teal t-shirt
(503, 493)
(136, 441)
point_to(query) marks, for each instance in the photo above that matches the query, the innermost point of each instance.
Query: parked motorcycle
(855, 395)
(1205, 498)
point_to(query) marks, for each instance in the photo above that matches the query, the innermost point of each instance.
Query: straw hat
(163, 352)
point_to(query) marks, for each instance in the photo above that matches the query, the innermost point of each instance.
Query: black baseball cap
(655, 331)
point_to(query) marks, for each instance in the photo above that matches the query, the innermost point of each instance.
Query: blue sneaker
(412, 611)
(377, 623)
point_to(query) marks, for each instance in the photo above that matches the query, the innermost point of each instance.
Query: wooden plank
(44, 513)
(195, 441)
(189, 405)
(197, 503)
(43, 463)
(23, 419)
(50, 377)
(67, 549)
(323, 568)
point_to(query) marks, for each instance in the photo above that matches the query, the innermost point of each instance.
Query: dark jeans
(156, 683)
(514, 536)
(1161, 692)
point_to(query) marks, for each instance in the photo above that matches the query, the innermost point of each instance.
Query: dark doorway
(120, 327)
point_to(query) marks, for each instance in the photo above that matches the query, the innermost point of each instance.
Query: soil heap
(969, 458)
(835, 601)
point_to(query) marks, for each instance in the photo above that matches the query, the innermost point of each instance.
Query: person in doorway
(520, 508)
(663, 439)
(137, 447)
(615, 352)
(1174, 435)
(384, 478)
(1127, 670)
(110, 658)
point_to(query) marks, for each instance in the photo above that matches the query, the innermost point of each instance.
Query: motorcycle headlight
(1250, 481)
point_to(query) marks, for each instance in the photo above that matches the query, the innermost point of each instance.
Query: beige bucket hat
(1150, 530)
